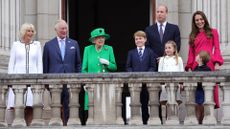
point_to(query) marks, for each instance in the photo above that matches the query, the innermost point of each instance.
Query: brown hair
(139, 33)
(175, 48)
(205, 57)
(195, 29)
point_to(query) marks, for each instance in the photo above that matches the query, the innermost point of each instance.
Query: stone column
(190, 104)
(209, 118)
(226, 104)
(172, 106)
(90, 88)
(37, 106)
(135, 104)
(19, 120)
(2, 105)
(56, 105)
(74, 105)
(119, 119)
(154, 89)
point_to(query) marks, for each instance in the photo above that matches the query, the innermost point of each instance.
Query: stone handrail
(105, 91)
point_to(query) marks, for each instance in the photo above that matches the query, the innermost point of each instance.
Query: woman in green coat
(98, 57)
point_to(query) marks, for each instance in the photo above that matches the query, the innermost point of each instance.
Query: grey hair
(24, 28)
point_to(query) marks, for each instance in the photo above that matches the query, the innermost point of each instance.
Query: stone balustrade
(105, 94)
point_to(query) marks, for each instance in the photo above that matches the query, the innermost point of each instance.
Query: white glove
(104, 61)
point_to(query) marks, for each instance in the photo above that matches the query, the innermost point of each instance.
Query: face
(161, 14)
(198, 59)
(99, 41)
(169, 49)
(61, 30)
(140, 41)
(29, 34)
(199, 21)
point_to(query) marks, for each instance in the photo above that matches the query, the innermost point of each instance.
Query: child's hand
(217, 66)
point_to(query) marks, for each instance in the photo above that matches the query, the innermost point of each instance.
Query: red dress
(212, 46)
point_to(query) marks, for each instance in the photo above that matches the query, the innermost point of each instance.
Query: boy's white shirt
(168, 64)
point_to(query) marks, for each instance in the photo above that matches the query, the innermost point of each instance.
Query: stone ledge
(124, 127)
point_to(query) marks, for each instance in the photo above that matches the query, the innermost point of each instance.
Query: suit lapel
(67, 47)
(165, 33)
(56, 46)
(155, 29)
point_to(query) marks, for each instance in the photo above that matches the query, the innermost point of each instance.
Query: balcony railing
(105, 92)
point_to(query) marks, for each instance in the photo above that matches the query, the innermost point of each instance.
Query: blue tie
(140, 54)
(62, 48)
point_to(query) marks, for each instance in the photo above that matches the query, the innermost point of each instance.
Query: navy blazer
(171, 32)
(134, 64)
(52, 60)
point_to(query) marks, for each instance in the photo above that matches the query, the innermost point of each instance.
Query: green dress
(91, 63)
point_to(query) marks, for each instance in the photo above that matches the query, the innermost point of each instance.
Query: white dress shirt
(168, 64)
(17, 62)
(163, 27)
(142, 51)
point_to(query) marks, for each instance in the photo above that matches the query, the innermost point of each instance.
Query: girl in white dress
(171, 62)
(25, 58)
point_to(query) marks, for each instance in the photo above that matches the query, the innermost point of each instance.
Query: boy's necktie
(140, 54)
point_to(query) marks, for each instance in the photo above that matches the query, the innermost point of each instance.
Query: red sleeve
(191, 58)
(217, 57)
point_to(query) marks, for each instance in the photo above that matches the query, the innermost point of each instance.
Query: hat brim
(107, 36)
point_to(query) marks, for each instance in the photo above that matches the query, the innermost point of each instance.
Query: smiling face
(61, 29)
(140, 41)
(28, 36)
(169, 49)
(99, 41)
(199, 21)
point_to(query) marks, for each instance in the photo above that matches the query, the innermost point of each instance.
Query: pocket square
(72, 47)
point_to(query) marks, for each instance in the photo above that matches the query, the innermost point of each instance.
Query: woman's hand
(217, 66)
(104, 61)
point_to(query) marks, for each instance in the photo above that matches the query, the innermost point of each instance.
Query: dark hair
(195, 29)
(205, 57)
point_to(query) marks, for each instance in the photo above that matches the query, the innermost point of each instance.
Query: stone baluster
(135, 104)
(19, 120)
(154, 89)
(119, 119)
(90, 88)
(37, 105)
(56, 105)
(226, 104)
(209, 118)
(190, 104)
(74, 105)
(172, 116)
(3, 89)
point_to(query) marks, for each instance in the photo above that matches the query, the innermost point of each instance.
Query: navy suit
(148, 62)
(52, 60)
(171, 32)
(53, 63)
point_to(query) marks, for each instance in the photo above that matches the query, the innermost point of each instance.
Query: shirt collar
(164, 23)
(143, 48)
(59, 39)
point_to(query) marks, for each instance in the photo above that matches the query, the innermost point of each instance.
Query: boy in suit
(141, 59)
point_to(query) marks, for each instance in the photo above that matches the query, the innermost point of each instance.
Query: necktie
(161, 32)
(140, 54)
(62, 48)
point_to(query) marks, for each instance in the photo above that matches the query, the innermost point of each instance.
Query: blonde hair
(175, 50)
(205, 57)
(139, 33)
(24, 28)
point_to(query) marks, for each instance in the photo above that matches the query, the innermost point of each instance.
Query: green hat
(98, 32)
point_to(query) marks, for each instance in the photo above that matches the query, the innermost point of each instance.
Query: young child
(202, 59)
(171, 62)
(141, 59)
